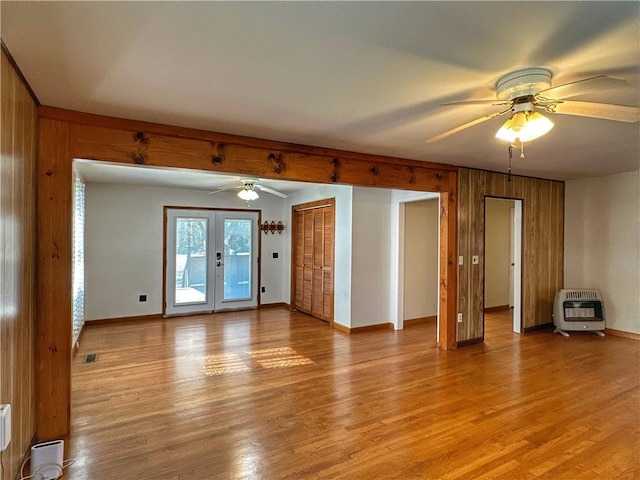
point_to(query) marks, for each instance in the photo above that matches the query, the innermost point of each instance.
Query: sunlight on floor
(279, 358)
(223, 363)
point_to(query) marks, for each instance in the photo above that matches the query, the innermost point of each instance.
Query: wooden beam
(222, 139)
(448, 306)
(66, 135)
(54, 331)
(158, 150)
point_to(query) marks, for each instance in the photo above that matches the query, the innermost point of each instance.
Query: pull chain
(510, 156)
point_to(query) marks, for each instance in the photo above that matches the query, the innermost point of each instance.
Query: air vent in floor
(91, 358)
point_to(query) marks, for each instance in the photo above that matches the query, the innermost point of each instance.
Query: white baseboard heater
(578, 310)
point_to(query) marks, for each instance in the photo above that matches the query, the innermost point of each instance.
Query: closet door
(313, 259)
(322, 293)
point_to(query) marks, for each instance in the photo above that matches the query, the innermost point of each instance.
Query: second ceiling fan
(248, 188)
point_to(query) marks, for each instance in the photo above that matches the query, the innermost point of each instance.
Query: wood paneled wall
(17, 262)
(542, 244)
(65, 135)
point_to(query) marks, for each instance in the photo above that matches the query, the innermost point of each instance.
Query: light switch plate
(460, 260)
(5, 426)
(475, 260)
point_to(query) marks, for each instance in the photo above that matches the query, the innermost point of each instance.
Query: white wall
(370, 265)
(497, 241)
(421, 259)
(342, 265)
(602, 244)
(124, 245)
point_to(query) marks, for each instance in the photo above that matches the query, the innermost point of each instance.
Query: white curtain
(78, 258)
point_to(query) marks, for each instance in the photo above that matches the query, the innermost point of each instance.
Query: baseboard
(138, 318)
(341, 327)
(275, 305)
(471, 341)
(499, 308)
(76, 345)
(366, 328)
(419, 321)
(535, 328)
(621, 333)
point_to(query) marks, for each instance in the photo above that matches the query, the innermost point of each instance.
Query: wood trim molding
(621, 333)
(499, 308)
(365, 328)
(19, 73)
(65, 135)
(419, 321)
(136, 318)
(276, 305)
(471, 341)
(535, 328)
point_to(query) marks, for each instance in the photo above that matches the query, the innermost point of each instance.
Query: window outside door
(211, 260)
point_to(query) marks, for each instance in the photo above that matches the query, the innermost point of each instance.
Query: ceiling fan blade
(580, 87)
(606, 111)
(225, 189)
(453, 131)
(271, 191)
(475, 102)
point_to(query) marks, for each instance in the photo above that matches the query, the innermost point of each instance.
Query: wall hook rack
(272, 227)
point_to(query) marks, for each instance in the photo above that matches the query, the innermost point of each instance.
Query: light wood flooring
(271, 394)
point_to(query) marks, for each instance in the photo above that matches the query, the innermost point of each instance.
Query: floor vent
(91, 358)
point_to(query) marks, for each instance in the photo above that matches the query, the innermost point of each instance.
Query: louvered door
(313, 259)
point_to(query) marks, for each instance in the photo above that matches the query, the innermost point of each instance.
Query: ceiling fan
(248, 188)
(524, 93)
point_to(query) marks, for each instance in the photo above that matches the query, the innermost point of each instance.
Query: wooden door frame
(65, 135)
(294, 222)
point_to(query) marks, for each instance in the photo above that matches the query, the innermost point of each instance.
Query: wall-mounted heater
(578, 310)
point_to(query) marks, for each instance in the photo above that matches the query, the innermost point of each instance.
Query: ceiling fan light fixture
(506, 133)
(524, 127)
(248, 194)
(537, 125)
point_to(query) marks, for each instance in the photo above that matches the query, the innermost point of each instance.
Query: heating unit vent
(579, 309)
(581, 295)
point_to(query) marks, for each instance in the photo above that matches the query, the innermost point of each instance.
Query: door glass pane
(191, 260)
(237, 259)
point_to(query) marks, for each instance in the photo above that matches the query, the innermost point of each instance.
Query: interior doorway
(398, 261)
(211, 260)
(420, 257)
(503, 260)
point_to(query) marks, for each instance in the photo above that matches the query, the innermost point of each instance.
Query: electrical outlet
(264, 289)
(5, 426)
(459, 318)
(275, 254)
(142, 298)
(460, 260)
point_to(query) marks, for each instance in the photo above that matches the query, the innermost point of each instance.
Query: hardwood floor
(271, 394)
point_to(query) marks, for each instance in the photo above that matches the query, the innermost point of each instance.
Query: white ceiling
(361, 76)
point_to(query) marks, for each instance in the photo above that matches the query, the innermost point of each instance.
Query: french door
(211, 260)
